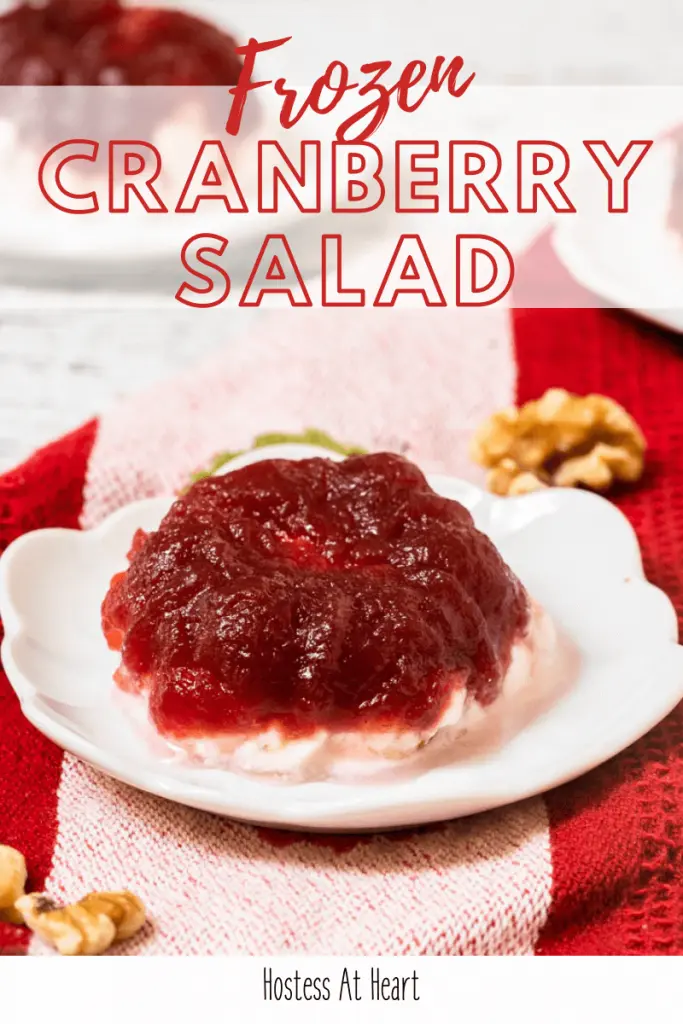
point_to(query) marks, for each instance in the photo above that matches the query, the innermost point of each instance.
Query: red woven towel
(592, 868)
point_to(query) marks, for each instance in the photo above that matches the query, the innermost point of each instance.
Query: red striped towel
(594, 867)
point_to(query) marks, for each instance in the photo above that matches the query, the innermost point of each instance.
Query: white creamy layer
(356, 752)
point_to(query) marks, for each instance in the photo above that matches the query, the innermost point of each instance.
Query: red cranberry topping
(103, 42)
(313, 593)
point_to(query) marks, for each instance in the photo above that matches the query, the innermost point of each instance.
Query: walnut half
(12, 883)
(85, 928)
(559, 440)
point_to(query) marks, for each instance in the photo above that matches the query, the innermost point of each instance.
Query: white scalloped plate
(575, 552)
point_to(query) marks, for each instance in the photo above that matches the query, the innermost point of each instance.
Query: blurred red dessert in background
(110, 43)
(105, 42)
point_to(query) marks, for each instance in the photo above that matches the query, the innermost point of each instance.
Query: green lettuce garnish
(310, 436)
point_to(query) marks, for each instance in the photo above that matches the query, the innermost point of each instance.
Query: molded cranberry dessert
(314, 600)
(105, 42)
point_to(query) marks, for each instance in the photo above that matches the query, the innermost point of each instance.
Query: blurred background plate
(634, 262)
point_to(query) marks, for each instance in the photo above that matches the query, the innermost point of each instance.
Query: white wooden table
(59, 367)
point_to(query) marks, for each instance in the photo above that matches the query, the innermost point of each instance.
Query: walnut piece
(12, 883)
(85, 928)
(559, 440)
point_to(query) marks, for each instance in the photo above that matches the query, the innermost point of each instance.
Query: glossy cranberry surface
(347, 595)
(104, 42)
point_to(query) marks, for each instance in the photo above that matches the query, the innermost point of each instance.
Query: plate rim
(572, 257)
